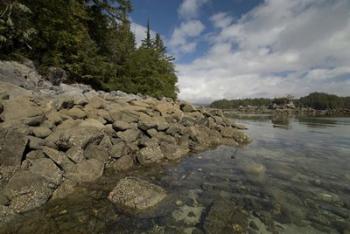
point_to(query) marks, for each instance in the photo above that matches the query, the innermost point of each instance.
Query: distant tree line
(316, 100)
(91, 40)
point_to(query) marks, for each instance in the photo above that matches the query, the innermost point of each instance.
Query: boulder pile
(55, 137)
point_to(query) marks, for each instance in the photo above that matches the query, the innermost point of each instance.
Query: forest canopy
(91, 40)
(316, 100)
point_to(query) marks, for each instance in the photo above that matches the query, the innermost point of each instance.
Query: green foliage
(323, 101)
(91, 40)
(15, 31)
(318, 101)
(233, 104)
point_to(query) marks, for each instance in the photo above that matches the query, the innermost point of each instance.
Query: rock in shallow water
(27, 190)
(136, 194)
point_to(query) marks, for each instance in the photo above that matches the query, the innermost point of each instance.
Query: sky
(252, 48)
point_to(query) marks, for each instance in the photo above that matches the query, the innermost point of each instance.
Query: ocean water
(293, 178)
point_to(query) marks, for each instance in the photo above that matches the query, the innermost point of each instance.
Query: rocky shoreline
(55, 137)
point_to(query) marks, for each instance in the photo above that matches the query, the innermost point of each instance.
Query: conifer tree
(147, 42)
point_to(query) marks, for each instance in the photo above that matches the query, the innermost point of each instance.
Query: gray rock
(77, 133)
(1, 107)
(35, 121)
(35, 154)
(55, 155)
(22, 109)
(150, 154)
(76, 113)
(128, 116)
(118, 150)
(66, 188)
(35, 143)
(47, 169)
(27, 190)
(129, 135)
(186, 107)
(4, 96)
(106, 143)
(173, 152)
(57, 75)
(239, 137)
(97, 152)
(12, 146)
(4, 200)
(87, 171)
(123, 164)
(146, 122)
(6, 214)
(19, 74)
(41, 132)
(224, 217)
(134, 193)
(121, 125)
(76, 154)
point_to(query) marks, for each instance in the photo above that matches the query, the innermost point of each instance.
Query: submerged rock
(27, 190)
(224, 217)
(188, 214)
(136, 194)
(87, 171)
(150, 154)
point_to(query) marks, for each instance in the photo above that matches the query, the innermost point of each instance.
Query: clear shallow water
(293, 178)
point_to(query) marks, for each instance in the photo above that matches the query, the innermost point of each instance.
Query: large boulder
(57, 75)
(87, 171)
(77, 133)
(129, 135)
(134, 193)
(173, 152)
(41, 132)
(19, 74)
(47, 169)
(97, 152)
(224, 217)
(121, 125)
(238, 136)
(12, 146)
(146, 122)
(126, 115)
(27, 190)
(186, 107)
(22, 109)
(75, 113)
(66, 188)
(123, 164)
(150, 154)
(119, 149)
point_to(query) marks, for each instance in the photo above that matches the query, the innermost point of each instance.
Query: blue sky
(164, 17)
(251, 48)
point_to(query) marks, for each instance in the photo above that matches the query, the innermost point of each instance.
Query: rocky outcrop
(56, 137)
(136, 194)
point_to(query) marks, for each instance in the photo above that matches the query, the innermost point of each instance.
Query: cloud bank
(280, 47)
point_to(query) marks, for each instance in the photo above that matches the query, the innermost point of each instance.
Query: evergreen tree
(147, 42)
(159, 44)
(91, 40)
(15, 32)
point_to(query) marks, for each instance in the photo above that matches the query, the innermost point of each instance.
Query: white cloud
(280, 47)
(189, 8)
(221, 20)
(180, 39)
(140, 32)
